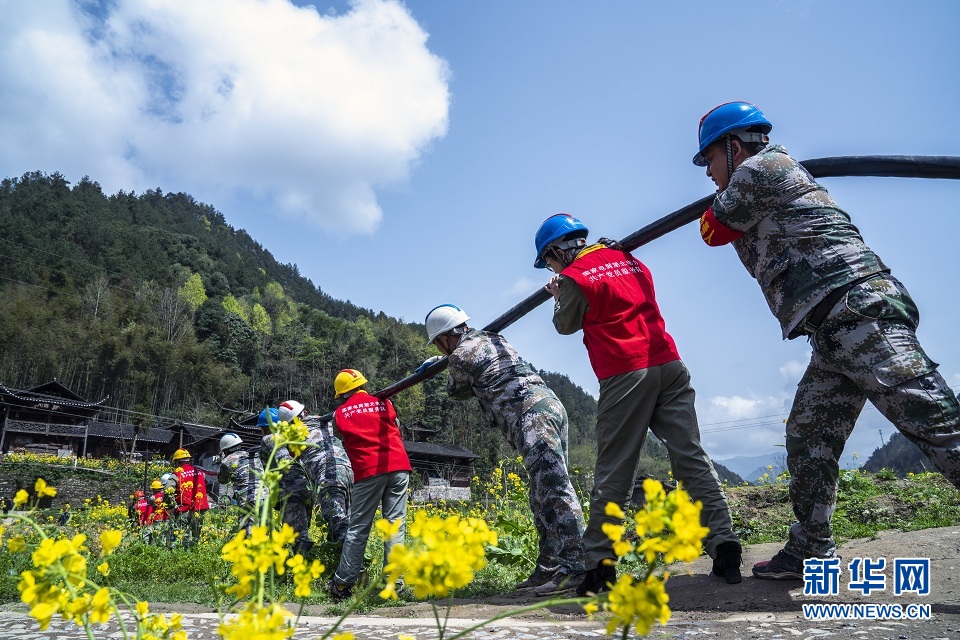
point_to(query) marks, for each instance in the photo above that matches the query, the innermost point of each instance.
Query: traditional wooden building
(49, 418)
(444, 470)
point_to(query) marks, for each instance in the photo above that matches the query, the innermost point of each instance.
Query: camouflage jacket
(797, 242)
(321, 460)
(242, 470)
(484, 365)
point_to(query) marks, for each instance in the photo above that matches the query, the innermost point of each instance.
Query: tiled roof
(445, 450)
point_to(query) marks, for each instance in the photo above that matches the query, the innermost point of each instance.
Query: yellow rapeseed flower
(101, 606)
(443, 555)
(266, 622)
(42, 489)
(104, 569)
(21, 498)
(16, 544)
(613, 510)
(637, 604)
(109, 541)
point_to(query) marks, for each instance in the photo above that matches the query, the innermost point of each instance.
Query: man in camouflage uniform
(513, 397)
(296, 501)
(821, 281)
(244, 471)
(327, 467)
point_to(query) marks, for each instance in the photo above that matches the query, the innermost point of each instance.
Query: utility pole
(881, 437)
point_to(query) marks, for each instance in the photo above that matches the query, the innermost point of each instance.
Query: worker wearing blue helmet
(605, 292)
(823, 283)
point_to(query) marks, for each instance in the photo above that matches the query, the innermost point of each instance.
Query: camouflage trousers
(866, 349)
(334, 500)
(296, 505)
(660, 399)
(541, 439)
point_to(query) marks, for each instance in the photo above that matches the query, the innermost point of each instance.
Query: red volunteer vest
(159, 511)
(371, 436)
(623, 329)
(144, 511)
(191, 489)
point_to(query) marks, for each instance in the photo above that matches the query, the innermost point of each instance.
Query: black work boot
(597, 580)
(728, 560)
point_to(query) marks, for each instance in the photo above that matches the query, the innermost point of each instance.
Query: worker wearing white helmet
(327, 466)
(296, 499)
(514, 397)
(243, 470)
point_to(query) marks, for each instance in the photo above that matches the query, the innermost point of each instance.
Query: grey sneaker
(562, 582)
(539, 577)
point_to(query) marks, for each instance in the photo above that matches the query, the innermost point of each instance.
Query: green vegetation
(867, 503)
(155, 301)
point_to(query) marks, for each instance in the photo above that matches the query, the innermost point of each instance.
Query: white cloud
(953, 380)
(792, 371)
(742, 425)
(308, 113)
(522, 287)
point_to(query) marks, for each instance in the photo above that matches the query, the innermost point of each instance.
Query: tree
(192, 292)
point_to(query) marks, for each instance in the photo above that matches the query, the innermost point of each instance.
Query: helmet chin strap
(729, 158)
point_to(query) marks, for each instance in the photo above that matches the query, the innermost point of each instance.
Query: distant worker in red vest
(606, 292)
(159, 505)
(192, 501)
(143, 508)
(370, 432)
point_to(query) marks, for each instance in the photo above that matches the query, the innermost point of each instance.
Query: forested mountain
(155, 301)
(899, 455)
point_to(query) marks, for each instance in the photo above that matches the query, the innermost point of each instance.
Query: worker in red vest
(143, 508)
(606, 292)
(192, 501)
(160, 513)
(370, 432)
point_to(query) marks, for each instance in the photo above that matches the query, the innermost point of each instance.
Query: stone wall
(73, 484)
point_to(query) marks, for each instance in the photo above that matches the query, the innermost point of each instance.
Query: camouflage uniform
(328, 468)
(513, 397)
(800, 246)
(295, 495)
(243, 470)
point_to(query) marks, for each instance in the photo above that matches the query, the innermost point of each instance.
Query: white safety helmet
(443, 318)
(289, 410)
(169, 480)
(229, 441)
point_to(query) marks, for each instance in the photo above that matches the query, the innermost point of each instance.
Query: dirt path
(705, 605)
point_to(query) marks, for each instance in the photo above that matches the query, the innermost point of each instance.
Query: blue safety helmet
(553, 228)
(263, 421)
(729, 117)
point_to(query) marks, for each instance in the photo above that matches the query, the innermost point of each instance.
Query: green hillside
(157, 302)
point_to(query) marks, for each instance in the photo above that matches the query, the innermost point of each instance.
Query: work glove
(428, 362)
(714, 233)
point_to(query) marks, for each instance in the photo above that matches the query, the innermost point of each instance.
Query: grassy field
(868, 503)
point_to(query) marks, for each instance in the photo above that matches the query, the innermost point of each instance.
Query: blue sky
(403, 155)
